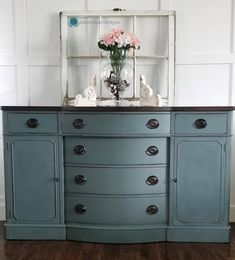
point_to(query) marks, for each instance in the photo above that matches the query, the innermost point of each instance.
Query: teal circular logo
(73, 22)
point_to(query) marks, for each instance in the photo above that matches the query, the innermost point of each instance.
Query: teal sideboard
(117, 175)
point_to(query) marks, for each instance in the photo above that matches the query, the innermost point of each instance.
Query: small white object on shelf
(89, 98)
(147, 98)
(90, 91)
(114, 103)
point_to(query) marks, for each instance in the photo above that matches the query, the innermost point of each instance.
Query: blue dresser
(117, 175)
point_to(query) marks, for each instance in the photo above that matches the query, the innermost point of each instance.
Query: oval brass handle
(80, 208)
(80, 179)
(152, 180)
(32, 123)
(200, 123)
(153, 124)
(79, 149)
(152, 150)
(152, 210)
(78, 123)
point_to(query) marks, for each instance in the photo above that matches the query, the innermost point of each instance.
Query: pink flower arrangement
(117, 43)
(118, 38)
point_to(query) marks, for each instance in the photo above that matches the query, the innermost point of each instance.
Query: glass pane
(82, 39)
(153, 34)
(155, 73)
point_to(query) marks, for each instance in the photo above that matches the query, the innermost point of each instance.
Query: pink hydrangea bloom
(121, 38)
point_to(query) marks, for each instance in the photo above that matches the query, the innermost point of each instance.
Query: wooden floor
(69, 250)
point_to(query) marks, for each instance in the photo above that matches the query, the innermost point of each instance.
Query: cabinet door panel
(34, 172)
(199, 170)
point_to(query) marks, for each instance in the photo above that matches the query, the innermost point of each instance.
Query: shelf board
(129, 57)
(119, 13)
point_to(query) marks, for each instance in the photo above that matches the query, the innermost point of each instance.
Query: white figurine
(90, 91)
(145, 91)
(147, 98)
(89, 98)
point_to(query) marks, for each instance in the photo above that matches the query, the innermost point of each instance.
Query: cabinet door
(32, 179)
(198, 181)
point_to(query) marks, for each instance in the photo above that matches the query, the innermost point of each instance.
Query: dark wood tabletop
(118, 108)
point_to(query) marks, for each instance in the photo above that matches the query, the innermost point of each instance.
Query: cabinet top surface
(117, 108)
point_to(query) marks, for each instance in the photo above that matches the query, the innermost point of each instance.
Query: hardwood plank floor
(70, 250)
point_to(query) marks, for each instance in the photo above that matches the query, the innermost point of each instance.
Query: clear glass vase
(117, 74)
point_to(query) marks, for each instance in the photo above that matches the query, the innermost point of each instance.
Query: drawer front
(32, 123)
(116, 210)
(116, 124)
(115, 151)
(200, 123)
(120, 180)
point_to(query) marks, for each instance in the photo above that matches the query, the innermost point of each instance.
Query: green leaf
(103, 46)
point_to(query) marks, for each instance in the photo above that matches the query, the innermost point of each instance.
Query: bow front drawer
(111, 151)
(31, 123)
(116, 123)
(201, 123)
(118, 210)
(117, 180)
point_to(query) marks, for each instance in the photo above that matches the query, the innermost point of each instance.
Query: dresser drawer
(119, 180)
(32, 123)
(112, 151)
(201, 123)
(116, 210)
(116, 123)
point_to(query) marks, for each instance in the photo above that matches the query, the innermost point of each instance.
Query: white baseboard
(2, 208)
(232, 213)
(2, 212)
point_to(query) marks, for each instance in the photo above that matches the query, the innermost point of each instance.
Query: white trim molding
(232, 213)
(2, 208)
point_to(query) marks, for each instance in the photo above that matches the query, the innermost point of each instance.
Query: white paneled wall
(30, 63)
(203, 27)
(204, 52)
(43, 84)
(195, 82)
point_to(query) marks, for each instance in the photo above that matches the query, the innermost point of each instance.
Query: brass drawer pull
(152, 150)
(200, 123)
(152, 210)
(153, 124)
(79, 149)
(32, 123)
(80, 179)
(80, 208)
(78, 123)
(152, 180)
